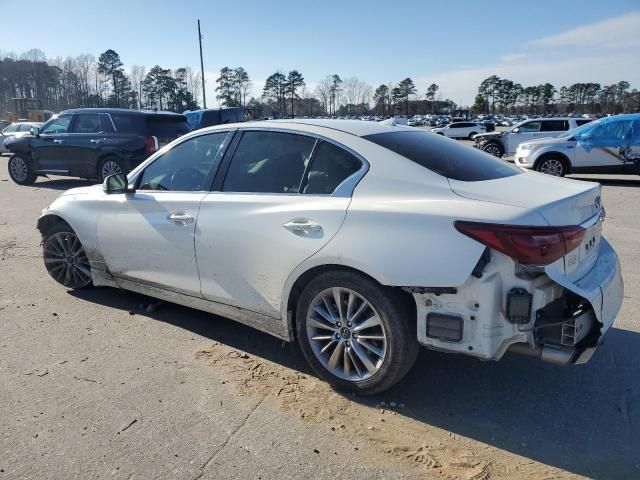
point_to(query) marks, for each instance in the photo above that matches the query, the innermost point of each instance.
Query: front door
(603, 145)
(276, 207)
(51, 146)
(148, 236)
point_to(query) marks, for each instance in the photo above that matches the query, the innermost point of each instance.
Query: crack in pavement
(228, 439)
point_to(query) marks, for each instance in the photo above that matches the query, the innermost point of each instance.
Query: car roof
(120, 111)
(359, 128)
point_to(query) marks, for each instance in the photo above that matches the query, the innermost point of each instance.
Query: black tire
(20, 170)
(397, 323)
(552, 165)
(64, 257)
(493, 148)
(472, 135)
(107, 165)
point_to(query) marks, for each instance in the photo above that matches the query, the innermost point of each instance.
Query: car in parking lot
(16, 129)
(92, 143)
(506, 142)
(460, 130)
(361, 240)
(610, 145)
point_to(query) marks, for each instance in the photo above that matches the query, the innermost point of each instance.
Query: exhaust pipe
(548, 353)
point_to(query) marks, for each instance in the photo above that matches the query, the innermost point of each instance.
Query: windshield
(587, 127)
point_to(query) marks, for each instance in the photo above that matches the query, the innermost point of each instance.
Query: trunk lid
(560, 201)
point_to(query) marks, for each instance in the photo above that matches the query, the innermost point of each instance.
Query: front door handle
(57, 140)
(302, 226)
(180, 218)
(95, 140)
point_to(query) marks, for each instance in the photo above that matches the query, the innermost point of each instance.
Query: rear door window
(554, 126)
(11, 128)
(268, 162)
(444, 157)
(331, 165)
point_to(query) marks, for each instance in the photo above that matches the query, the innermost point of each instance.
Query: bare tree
(136, 77)
(323, 90)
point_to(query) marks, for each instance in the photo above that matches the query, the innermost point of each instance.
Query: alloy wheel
(110, 167)
(18, 169)
(66, 260)
(346, 334)
(492, 150)
(552, 167)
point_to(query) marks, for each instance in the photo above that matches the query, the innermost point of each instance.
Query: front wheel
(493, 149)
(20, 170)
(356, 334)
(552, 166)
(65, 258)
(472, 135)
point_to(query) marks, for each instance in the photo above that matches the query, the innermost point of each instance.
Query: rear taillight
(528, 245)
(150, 145)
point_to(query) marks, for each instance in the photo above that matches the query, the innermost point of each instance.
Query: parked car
(215, 116)
(609, 145)
(92, 143)
(506, 142)
(361, 240)
(460, 130)
(17, 129)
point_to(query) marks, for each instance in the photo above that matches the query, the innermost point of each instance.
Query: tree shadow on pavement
(583, 419)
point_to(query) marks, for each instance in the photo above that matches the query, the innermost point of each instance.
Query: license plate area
(583, 257)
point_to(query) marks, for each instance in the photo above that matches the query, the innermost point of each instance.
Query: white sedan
(360, 240)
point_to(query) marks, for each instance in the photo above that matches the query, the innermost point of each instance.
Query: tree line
(87, 81)
(501, 95)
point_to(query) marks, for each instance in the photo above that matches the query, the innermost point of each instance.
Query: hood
(546, 141)
(488, 135)
(560, 201)
(82, 190)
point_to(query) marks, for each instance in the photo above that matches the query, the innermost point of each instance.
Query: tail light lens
(150, 145)
(528, 245)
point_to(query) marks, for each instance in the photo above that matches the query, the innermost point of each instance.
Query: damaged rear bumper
(566, 318)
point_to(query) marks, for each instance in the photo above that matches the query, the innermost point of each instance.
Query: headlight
(528, 146)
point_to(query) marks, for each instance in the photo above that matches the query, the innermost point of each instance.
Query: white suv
(610, 145)
(461, 130)
(505, 143)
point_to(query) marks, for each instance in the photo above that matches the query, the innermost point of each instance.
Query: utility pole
(204, 94)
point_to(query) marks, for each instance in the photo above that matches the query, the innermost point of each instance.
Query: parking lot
(93, 384)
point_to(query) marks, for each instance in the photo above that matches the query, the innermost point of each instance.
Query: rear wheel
(109, 166)
(20, 170)
(472, 135)
(493, 149)
(65, 257)
(552, 166)
(354, 333)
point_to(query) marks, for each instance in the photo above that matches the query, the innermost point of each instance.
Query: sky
(453, 44)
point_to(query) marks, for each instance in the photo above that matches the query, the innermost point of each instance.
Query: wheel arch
(297, 283)
(554, 153)
(47, 222)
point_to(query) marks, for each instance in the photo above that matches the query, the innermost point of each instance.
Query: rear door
(273, 209)
(51, 148)
(604, 145)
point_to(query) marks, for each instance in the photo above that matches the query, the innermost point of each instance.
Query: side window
(529, 127)
(58, 125)
(127, 123)
(186, 166)
(87, 123)
(107, 124)
(331, 165)
(25, 127)
(583, 122)
(454, 125)
(610, 131)
(554, 126)
(11, 128)
(268, 162)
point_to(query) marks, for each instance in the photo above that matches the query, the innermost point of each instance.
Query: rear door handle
(180, 218)
(95, 140)
(302, 226)
(57, 140)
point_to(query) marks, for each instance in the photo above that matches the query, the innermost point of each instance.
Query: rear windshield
(445, 156)
(167, 126)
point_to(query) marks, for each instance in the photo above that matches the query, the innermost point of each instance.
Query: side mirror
(515, 130)
(35, 131)
(116, 183)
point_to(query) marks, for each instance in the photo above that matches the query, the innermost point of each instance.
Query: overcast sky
(454, 44)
